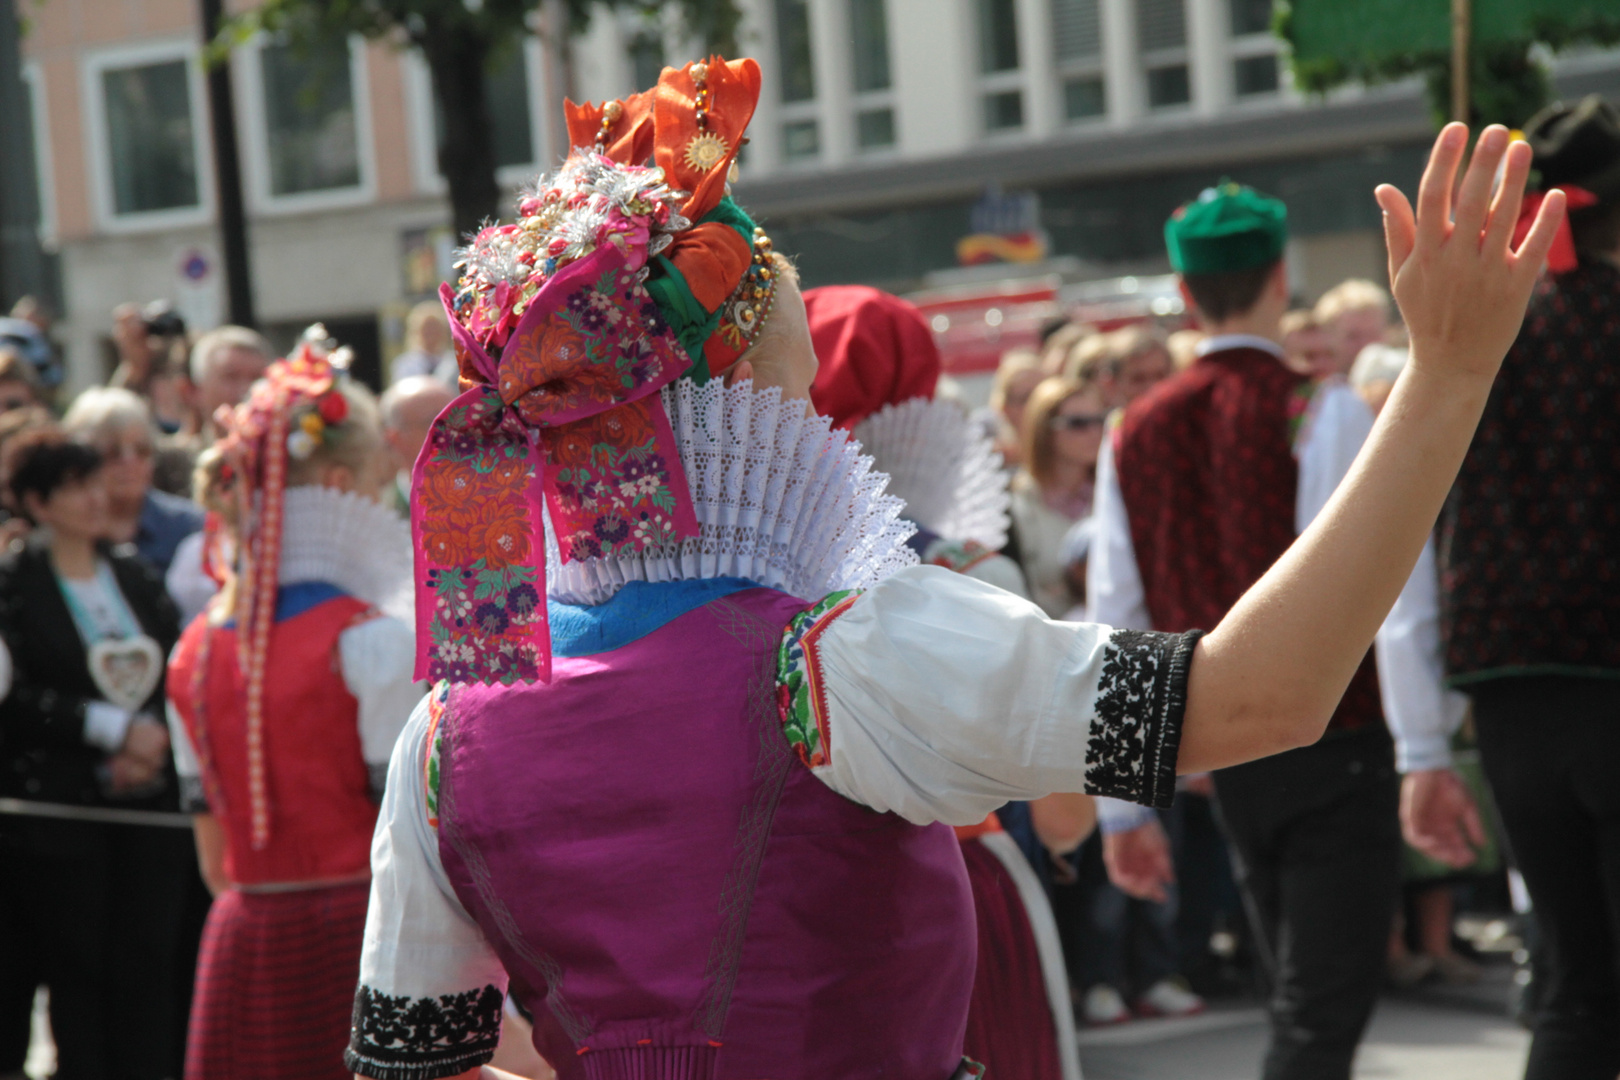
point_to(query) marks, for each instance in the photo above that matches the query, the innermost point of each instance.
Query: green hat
(1229, 227)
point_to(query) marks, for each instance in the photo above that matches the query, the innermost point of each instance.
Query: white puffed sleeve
(939, 698)
(429, 1001)
(1422, 713)
(378, 657)
(1336, 424)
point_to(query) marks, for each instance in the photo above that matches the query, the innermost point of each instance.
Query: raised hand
(1461, 287)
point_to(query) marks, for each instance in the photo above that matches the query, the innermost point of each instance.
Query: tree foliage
(460, 39)
(1507, 82)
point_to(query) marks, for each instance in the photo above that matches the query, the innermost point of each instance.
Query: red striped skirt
(275, 985)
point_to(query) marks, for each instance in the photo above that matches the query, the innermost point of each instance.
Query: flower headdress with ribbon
(617, 278)
(286, 417)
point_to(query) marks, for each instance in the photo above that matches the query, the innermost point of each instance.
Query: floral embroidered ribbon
(567, 423)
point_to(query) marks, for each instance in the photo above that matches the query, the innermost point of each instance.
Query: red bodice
(321, 813)
(1207, 471)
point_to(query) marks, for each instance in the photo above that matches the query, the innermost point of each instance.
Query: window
(869, 66)
(1168, 86)
(874, 128)
(1084, 98)
(800, 139)
(1161, 33)
(646, 50)
(998, 36)
(793, 50)
(151, 138)
(1004, 111)
(869, 34)
(309, 117)
(1255, 75)
(1251, 17)
(506, 100)
(1077, 53)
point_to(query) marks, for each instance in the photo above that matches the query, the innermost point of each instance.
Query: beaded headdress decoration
(617, 278)
(287, 416)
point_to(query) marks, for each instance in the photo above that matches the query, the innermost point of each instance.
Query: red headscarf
(875, 350)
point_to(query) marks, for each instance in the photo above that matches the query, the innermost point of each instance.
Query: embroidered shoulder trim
(406, 1038)
(1141, 701)
(437, 699)
(958, 555)
(800, 696)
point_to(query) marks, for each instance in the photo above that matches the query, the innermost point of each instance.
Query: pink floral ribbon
(568, 422)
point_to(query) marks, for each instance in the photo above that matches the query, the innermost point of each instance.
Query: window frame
(249, 80)
(424, 143)
(1065, 70)
(33, 74)
(988, 84)
(93, 65)
(1252, 46)
(865, 101)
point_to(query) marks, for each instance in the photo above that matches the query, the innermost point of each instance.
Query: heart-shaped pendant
(126, 670)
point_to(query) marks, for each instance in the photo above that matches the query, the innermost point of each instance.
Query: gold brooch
(705, 151)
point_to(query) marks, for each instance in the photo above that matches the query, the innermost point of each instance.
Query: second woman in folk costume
(286, 697)
(879, 367)
(700, 723)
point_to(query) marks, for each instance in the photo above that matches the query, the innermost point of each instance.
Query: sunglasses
(1069, 422)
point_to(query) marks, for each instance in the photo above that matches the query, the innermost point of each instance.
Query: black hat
(1578, 144)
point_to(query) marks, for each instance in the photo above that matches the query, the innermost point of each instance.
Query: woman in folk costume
(286, 696)
(700, 722)
(879, 367)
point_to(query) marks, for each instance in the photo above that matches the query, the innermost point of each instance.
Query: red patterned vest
(1208, 475)
(321, 813)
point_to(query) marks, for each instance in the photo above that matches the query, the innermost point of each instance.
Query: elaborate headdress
(287, 416)
(616, 280)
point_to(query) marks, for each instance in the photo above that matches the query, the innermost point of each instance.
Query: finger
(1532, 254)
(1509, 198)
(1473, 826)
(742, 371)
(1400, 228)
(1474, 197)
(1434, 192)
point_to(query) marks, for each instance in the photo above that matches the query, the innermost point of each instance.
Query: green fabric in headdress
(692, 324)
(1228, 228)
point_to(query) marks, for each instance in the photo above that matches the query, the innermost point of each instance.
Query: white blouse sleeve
(1422, 713)
(429, 1000)
(1336, 424)
(939, 698)
(1114, 594)
(186, 766)
(377, 658)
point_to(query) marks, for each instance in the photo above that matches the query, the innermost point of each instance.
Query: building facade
(882, 125)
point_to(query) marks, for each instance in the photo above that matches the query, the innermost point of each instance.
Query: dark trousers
(1551, 750)
(1316, 848)
(104, 905)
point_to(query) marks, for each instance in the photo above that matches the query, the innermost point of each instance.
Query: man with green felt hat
(1204, 483)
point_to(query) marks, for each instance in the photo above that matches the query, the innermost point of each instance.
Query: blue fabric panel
(635, 611)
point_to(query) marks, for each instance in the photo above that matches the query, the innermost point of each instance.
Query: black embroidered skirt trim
(406, 1038)
(1141, 704)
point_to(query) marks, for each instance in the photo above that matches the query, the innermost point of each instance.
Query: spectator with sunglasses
(118, 424)
(1062, 436)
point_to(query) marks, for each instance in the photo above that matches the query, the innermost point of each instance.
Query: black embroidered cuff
(193, 800)
(406, 1038)
(1141, 702)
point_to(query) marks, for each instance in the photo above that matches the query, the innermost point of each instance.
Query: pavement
(1412, 1037)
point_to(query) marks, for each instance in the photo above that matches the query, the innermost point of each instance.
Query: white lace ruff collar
(359, 545)
(781, 499)
(944, 466)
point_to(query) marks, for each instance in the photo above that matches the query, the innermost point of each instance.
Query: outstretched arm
(1269, 676)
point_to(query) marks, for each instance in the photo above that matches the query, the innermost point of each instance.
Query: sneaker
(1169, 997)
(1409, 969)
(1457, 970)
(1103, 1005)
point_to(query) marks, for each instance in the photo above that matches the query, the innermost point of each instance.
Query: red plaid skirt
(275, 985)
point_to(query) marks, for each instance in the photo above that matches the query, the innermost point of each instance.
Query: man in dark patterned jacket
(1529, 553)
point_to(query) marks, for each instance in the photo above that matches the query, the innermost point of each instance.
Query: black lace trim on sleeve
(1141, 702)
(406, 1038)
(193, 799)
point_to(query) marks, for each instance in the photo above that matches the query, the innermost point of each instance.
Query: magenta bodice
(674, 895)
